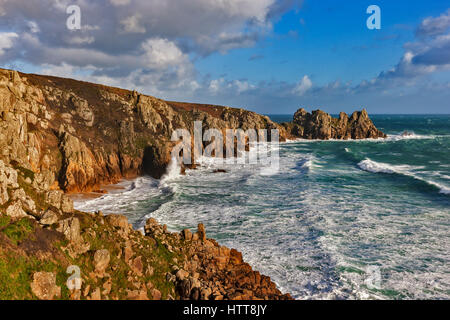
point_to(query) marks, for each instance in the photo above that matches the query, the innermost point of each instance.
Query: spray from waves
(379, 167)
(410, 136)
(389, 138)
(173, 172)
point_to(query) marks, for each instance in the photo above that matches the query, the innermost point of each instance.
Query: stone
(119, 221)
(15, 211)
(18, 194)
(29, 205)
(181, 275)
(137, 266)
(201, 232)
(54, 198)
(71, 229)
(8, 179)
(66, 204)
(137, 294)
(49, 218)
(107, 286)
(101, 261)
(127, 252)
(44, 286)
(96, 294)
(187, 234)
(156, 294)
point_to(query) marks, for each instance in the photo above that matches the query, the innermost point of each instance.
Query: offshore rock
(320, 125)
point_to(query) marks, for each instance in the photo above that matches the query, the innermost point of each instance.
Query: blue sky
(270, 56)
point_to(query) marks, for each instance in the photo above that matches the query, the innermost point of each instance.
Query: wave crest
(379, 167)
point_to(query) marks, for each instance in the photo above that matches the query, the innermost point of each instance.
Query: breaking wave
(406, 170)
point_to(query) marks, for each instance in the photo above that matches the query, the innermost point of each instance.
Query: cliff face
(320, 125)
(76, 136)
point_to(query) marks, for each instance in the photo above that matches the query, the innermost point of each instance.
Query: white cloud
(303, 86)
(7, 41)
(434, 25)
(215, 85)
(132, 24)
(120, 2)
(80, 40)
(33, 26)
(242, 86)
(162, 53)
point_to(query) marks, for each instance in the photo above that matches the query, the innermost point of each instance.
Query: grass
(17, 231)
(17, 271)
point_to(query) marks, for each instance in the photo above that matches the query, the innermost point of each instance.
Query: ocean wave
(305, 164)
(389, 138)
(406, 170)
(411, 136)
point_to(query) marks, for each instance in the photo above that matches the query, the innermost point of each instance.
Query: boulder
(119, 221)
(201, 232)
(137, 266)
(71, 229)
(156, 294)
(18, 194)
(187, 234)
(44, 286)
(66, 204)
(181, 275)
(8, 179)
(15, 211)
(54, 197)
(101, 260)
(49, 218)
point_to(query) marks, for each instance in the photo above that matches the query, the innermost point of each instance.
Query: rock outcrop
(209, 270)
(59, 136)
(320, 125)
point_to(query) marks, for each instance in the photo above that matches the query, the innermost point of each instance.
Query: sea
(366, 219)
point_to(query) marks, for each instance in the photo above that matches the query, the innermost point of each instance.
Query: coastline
(78, 137)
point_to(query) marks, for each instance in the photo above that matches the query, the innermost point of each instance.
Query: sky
(269, 56)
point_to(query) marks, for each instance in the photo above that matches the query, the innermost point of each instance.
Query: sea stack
(322, 126)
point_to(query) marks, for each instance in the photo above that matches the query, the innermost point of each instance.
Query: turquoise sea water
(340, 220)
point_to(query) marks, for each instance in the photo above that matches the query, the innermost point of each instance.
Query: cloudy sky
(271, 56)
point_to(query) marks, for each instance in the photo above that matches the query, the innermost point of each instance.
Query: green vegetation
(17, 231)
(17, 272)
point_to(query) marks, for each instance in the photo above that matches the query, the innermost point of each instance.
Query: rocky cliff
(320, 125)
(60, 135)
(77, 136)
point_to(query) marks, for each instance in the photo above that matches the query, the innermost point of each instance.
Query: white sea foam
(390, 137)
(406, 170)
(307, 233)
(173, 171)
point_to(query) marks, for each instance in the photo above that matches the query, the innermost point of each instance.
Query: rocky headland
(60, 136)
